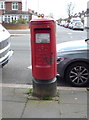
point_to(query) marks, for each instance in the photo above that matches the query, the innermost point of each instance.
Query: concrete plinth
(44, 88)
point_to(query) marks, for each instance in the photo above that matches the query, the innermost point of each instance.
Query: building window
(7, 19)
(14, 6)
(2, 5)
(25, 17)
(0, 18)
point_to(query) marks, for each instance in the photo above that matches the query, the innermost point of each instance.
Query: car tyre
(77, 74)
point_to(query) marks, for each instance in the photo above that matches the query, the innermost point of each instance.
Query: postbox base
(43, 88)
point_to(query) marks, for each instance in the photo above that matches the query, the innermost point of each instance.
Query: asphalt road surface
(18, 70)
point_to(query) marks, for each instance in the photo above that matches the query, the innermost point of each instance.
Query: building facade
(12, 10)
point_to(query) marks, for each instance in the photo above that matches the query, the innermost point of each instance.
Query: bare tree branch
(70, 8)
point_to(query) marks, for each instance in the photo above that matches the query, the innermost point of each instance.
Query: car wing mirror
(87, 40)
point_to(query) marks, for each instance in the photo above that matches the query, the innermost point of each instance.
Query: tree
(70, 8)
(50, 15)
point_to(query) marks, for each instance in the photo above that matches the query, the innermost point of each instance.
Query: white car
(78, 25)
(70, 25)
(5, 50)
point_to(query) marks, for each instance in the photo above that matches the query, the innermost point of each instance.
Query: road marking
(24, 86)
(69, 33)
(75, 98)
(30, 67)
(19, 34)
(78, 31)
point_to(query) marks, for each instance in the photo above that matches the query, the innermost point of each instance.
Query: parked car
(66, 25)
(62, 23)
(5, 50)
(78, 25)
(58, 23)
(70, 25)
(73, 62)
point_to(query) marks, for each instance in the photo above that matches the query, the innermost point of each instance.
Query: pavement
(70, 102)
(15, 102)
(19, 32)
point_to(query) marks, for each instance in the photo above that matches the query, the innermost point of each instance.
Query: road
(65, 34)
(17, 70)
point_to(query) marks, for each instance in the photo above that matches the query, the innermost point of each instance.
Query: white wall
(34, 17)
(86, 21)
(0, 18)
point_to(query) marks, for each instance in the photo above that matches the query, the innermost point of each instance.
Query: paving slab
(73, 110)
(12, 109)
(73, 103)
(13, 102)
(73, 96)
(14, 95)
(41, 109)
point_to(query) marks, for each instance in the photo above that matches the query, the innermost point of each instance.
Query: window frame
(2, 5)
(14, 5)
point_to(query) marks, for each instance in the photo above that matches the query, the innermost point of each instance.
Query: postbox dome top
(42, 20)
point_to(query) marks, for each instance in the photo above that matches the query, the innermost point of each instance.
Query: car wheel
(78, 74)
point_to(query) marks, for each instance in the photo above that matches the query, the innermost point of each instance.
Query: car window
(78, 23)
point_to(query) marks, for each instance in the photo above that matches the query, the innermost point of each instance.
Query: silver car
(73, 62)
(5, 50)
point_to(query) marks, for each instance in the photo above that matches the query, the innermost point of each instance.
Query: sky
(58, 8)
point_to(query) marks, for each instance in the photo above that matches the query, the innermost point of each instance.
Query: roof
(13, 0)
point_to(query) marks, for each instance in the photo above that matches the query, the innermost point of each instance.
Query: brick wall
(8, 6)
(20, 6)
(1, 12)
(14, 26)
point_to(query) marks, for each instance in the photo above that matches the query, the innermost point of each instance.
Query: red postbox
(43, 43)
(43, 47)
